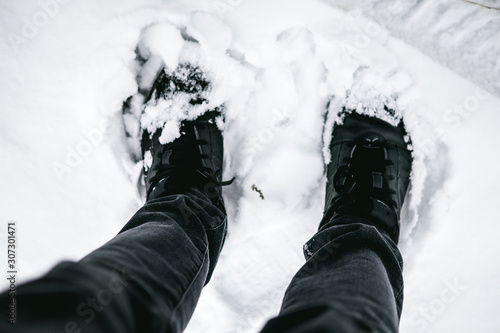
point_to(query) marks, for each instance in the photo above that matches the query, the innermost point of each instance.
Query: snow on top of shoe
(180, 94)
(370, 94)
(170, 51)
(198, 83)
(373, 96)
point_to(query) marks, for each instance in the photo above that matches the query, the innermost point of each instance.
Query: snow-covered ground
(66, 66)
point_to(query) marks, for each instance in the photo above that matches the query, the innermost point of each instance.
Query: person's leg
(149, 277)
(352, 280)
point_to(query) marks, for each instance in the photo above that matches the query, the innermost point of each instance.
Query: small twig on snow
(478, 4)
(254, 188)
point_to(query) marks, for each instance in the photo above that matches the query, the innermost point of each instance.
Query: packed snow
(283, 69)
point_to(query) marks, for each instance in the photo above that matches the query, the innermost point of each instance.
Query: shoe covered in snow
(369, 172)
(195, 158)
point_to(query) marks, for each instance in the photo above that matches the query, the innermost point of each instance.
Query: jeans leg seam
(218, 226)
(400, 292)
(205, 254)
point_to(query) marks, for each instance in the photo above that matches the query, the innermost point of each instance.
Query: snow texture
(71, 159)
(459, 34)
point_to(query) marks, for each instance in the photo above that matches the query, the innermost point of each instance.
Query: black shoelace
(184, 161)
(363, 176)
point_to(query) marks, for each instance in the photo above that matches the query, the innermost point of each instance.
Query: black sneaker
(369, 172)
(195, 158)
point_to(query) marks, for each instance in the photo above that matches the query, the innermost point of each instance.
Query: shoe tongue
(368, 166)
(368, 157)
(372, 140)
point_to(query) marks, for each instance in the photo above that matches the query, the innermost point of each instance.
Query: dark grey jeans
(150, 276)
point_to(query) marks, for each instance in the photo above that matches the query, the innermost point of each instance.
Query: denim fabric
(147, 279)
(352, 282)
(150, 276)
